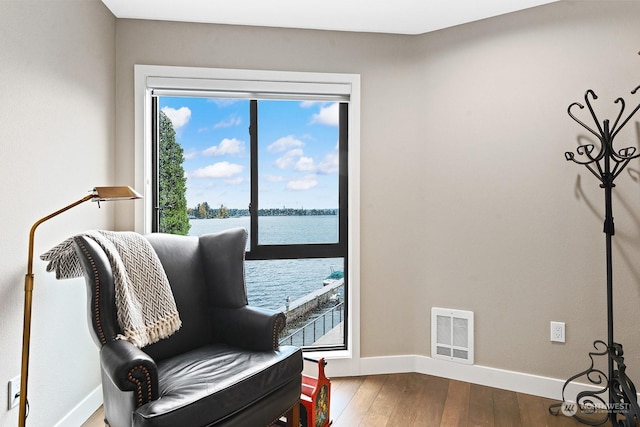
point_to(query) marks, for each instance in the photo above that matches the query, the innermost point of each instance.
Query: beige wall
(467, 201)
(57, 106)
(507, 231)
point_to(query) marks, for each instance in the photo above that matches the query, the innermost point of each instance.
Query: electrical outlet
(557, 332)
(14, 392)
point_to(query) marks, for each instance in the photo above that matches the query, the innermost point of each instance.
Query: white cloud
(179, 117)
(328, 115)
(191, 154)
(232, 120)
(305, 164)
(218, 170)
(308, 104)
(235, 181)
(302, 184)
(286, 160)
(330, 163)
(284, 144)
(226, 146)
(273, 178)
(224, 102)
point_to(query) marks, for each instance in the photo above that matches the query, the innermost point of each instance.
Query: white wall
(57, 88)
(466, 199)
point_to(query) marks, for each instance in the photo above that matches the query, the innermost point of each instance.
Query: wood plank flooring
(417, 400)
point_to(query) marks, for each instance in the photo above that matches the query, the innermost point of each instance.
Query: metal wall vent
(452, 335)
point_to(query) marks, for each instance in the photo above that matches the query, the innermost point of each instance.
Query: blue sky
(298, 151)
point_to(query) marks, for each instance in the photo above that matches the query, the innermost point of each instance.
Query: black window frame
(265, 252)
(259, 251)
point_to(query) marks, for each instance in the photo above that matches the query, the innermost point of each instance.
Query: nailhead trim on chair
(103, 339)
(278, 325)
(139, 385)
(96, 299)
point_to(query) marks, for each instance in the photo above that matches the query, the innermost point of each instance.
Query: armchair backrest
(204, 273)
(180, 258)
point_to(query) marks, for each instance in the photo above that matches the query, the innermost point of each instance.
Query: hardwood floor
(412, 400)
(417, 400)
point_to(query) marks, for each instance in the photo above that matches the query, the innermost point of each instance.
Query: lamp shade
(114, 193)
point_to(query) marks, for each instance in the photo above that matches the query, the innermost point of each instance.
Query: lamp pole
(98, 194)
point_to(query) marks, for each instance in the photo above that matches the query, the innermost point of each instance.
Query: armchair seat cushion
(215, 382)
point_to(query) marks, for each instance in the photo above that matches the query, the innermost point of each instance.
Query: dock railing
(313, 330)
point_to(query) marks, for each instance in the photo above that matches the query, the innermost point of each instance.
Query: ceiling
(396, 17)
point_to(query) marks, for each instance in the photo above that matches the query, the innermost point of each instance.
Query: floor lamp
(97, 195)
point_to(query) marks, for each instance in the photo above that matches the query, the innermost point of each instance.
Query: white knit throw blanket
(146, 309)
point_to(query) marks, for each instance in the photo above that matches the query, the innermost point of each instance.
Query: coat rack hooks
(621, 405)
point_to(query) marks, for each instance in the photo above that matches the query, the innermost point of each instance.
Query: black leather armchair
(223, 367)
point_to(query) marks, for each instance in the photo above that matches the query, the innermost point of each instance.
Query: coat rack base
(613, 397)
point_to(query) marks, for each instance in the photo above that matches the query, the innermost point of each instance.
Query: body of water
(270, 282)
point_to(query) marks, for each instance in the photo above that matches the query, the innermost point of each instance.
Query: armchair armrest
(248, 327)
(130, 369)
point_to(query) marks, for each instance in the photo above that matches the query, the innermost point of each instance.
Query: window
(271, 156)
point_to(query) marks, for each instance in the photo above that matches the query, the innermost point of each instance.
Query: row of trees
(204, 211)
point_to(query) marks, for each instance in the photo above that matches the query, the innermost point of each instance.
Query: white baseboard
(475, 374)
(83, 410)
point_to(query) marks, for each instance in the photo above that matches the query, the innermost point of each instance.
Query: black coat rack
(615, 399)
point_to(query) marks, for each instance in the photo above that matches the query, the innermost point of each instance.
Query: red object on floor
(316, 398)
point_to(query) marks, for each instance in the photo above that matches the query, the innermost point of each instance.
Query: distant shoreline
(239, 213)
